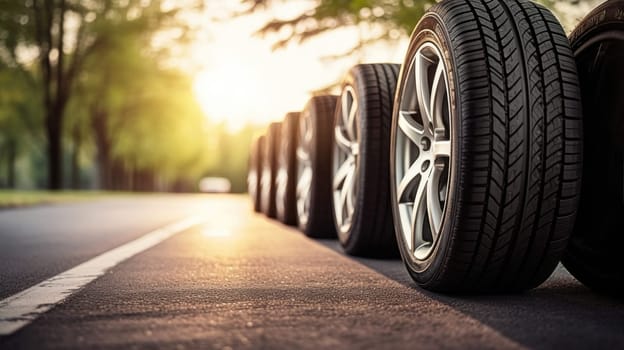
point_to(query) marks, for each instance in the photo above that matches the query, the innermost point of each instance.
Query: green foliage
(13, 198)
(124, 113)
(232, 150)
(396, 18)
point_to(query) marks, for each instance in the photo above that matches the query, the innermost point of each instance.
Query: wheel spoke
(303, 185)
(442, 149)
(280, 180)
(302, 155)
(408, 182)
(344, 108)
(436, 103)
(346, 202)
(433, 200)
(340, 198)
(305, 131)
(343, 171)
(419, 210)
(407, 155)
(410, 127)
(341, 139)
(351, 121)
(422, 89)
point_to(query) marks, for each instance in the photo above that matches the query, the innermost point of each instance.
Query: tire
(594, 252)
(286, 180)
(501, 155)
(256, 155)
(360, 172)
(314, 210)
(269, 170)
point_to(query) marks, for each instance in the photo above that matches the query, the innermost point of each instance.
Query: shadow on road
(561, 312)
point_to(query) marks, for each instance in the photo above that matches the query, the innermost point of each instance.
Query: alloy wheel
(423, 150)
(345, 164)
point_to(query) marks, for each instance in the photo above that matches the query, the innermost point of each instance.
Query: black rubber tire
(515, 151)
(256, 155)
(318, 117)
(370, 232)
(269, 170)
(594, 252)
(287, 168)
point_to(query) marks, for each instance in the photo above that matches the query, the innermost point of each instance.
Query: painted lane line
(24, 307)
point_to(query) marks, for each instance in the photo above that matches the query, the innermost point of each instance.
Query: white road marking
(24, 307)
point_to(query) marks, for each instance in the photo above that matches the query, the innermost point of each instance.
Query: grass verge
(16, 199)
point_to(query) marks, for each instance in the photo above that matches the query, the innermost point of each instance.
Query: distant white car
(215, 185)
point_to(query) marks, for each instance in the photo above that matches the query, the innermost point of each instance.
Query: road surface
(239, 281)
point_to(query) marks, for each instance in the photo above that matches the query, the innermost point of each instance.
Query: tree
(20, 117)
(40, 25)
(64, 34)
(395, 18)
(142, 116)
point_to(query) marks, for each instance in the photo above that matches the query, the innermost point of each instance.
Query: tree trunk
(144, 181)
(136, 181)
(55, 156)
(102, 142)
(50, 24)
(118, 176)
(11, 158)
(75, 166)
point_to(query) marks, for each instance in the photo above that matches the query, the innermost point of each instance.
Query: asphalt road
(240, 281)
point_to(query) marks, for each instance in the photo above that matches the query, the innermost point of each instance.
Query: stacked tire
(593, 253)
(360, 176)
(269, 170)
(290, 169)
(485, 147)
(467, 159)
(286, 180)
(256, 164)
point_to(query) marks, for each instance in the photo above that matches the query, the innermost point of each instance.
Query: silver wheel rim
(345, 164)
(265, 183)
(281, 179)
(304, 170)
(423, 150)
(252, 183)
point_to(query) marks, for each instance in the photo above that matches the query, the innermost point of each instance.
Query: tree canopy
(87, 90)
(395, 18)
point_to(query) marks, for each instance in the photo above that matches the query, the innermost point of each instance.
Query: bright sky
(241, 80)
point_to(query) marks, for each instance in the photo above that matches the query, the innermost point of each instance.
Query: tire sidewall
(291, 169)
(256, 168)
(287, 162)
(272, 146)
(606, 16)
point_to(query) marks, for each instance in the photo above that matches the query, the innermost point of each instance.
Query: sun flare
(227, 93)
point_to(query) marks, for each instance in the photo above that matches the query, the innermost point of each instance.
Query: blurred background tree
(91, 96)
(87, 99)
(383, 19)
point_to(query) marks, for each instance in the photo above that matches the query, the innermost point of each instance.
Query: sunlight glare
(227, 93)
(242, 81)
(216, 232)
